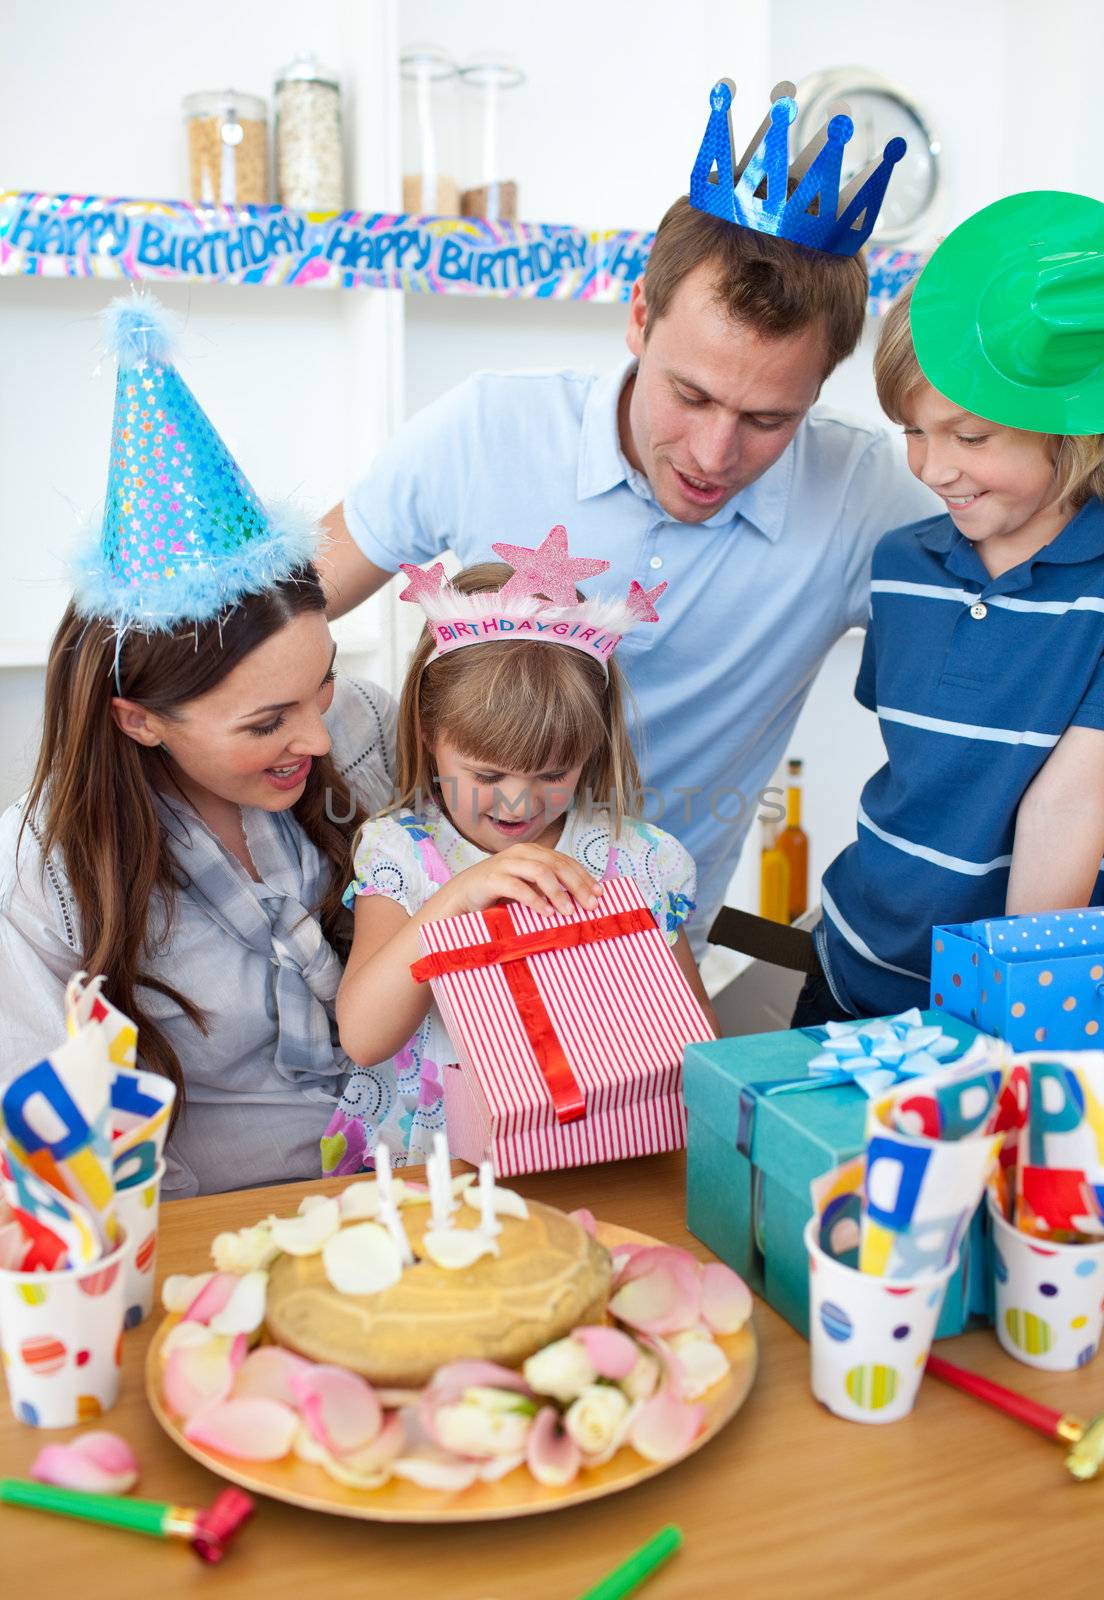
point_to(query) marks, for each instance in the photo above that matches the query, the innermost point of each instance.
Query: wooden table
(955, 1502)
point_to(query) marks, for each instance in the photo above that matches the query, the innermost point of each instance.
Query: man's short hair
(773, 286)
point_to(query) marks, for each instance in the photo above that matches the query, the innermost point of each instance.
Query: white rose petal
(643, 1380)
(311, 1202)
(507, 1203)
(305, 1236)
(180, 1289)
(248, 1250)
(362, 1259)
(456, 1248)
(561, 1370)
(245, 1309)
(185, 1335)
(703, 1362)
(471, 1428)
(360, 1202)
(594, 1418)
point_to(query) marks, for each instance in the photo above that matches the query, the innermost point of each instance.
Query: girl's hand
(534, 876)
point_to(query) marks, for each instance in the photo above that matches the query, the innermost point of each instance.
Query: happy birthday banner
(86, 236)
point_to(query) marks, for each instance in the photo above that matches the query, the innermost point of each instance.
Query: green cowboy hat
(1007, 317)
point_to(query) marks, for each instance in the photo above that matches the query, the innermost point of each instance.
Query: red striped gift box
(569, 1033)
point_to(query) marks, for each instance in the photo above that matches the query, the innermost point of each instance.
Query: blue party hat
(802, 203)
(184, 535)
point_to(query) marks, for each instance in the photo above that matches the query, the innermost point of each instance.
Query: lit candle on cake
(488, 1222)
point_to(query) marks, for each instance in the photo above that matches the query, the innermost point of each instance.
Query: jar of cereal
(308, 137)
(227, 148)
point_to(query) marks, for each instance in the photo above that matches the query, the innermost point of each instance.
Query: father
(703, 461)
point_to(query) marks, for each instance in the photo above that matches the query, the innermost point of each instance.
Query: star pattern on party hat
(425, 582)
(548, 570)
(641, 602)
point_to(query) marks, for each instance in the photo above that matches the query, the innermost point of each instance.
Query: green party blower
(639, 1566)
(209, 1532)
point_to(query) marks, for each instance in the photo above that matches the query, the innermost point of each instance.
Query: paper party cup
(61, 1336)
(1049, 1298)
(137, 1209)
(869, 1337)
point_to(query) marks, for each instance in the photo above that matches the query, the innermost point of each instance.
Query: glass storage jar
(490, 111)
(429, 131)
(309, 167)
(227, 148)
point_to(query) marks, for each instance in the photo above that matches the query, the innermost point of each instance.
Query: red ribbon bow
(510, 950)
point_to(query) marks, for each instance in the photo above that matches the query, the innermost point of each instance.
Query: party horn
(1086, 1457)
(209, 1532)
(638, 1567)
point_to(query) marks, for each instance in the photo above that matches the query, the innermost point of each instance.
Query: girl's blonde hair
(1078, 458)
(518, 706)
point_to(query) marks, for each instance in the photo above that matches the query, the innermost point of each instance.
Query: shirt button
(655, 563)
(979, 610)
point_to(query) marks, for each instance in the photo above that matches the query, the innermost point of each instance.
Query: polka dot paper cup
(869, 1337)
(137, 1208)
(1049, 1298)
(61, 1339)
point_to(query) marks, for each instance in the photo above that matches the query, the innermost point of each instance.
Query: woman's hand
(542, 879)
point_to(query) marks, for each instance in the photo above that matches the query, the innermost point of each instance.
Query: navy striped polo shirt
(974, 680)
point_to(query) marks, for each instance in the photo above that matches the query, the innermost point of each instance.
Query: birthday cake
(443, 1336)
(547, 1276)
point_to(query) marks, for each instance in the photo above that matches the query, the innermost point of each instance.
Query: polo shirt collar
(602, 465)
(1082, 539)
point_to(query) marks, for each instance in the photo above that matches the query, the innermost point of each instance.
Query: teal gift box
(751, 1158)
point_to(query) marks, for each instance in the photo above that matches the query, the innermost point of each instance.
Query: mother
(201, 774)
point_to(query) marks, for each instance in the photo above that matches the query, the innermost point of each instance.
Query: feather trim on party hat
(537, 602)
(184, 535)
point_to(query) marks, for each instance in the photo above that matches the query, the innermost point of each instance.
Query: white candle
(383, 1176)
(488, 1222)
(391, 1220)
(439, 1172)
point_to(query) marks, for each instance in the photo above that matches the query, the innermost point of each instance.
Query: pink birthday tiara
(538, 601)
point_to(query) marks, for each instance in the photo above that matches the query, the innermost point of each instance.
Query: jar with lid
(308, 137)
(491, 107)
(227, 148)
(429, 131)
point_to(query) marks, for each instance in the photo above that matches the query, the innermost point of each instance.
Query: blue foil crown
(756, 194)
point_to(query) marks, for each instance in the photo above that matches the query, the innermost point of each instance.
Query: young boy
(984, 654)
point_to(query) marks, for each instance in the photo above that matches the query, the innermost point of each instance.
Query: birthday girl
(516, 781)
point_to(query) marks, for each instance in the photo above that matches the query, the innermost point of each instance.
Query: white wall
(300, 383)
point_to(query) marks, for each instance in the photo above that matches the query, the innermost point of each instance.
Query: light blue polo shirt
(974, 679)
(757, 595)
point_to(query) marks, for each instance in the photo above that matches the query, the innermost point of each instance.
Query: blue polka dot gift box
(1031, 980)
(756, 1140)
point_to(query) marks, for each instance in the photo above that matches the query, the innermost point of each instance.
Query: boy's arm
(347, 575)
(1060, 828)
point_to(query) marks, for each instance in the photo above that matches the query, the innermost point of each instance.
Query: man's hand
(348, 577)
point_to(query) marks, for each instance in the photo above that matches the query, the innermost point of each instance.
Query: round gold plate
(301, 1483)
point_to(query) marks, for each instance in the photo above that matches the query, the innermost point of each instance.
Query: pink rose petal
(338, 1407)
(661, 1295)
(251, 1429)
(213, 1297)
(612, 1353)
(664, 1428)
(552, 1455)
(100, 1463)
(266, 1374)
(450, 1381)
(198, 1376)
(726, 1299)
(585, 1219)
(436, 1469)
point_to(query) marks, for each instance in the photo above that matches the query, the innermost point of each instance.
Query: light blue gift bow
(873, 1055)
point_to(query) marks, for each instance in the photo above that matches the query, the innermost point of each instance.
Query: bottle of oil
(793, 842)
(774, 877)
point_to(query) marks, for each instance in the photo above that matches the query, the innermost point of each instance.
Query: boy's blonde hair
(1078, 458)
(518, 706)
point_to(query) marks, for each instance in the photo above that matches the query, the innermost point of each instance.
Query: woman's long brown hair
(92, 795)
